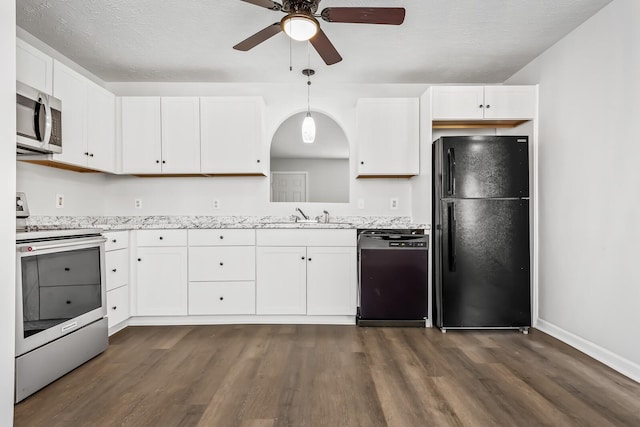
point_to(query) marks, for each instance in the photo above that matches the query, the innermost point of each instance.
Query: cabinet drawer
(222, 237)
(222, 298)
(66, 302)
(118, 305)
(222, 263)
(116, 240)
(316, 237)
(117, 266)
(162, 237)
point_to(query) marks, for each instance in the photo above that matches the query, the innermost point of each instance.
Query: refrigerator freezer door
(484, 264)
(485, 167)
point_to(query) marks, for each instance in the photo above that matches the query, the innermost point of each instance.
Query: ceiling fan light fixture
(299, 26)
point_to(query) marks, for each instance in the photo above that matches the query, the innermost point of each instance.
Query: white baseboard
(624, 366)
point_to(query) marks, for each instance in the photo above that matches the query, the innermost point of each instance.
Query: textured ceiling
(455, 41)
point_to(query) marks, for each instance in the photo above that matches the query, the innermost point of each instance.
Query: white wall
(589, 203)
(328, 178)
(7, 212)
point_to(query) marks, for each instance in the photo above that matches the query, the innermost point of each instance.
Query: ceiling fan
(301, 24)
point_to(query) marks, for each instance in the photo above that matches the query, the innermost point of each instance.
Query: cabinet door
(388, 136)
(281, 285)
(141, 143)
(161, 286)
(180, 135)
(117, 305)
(232, 135)
(101, 128)
(33, 67)
(117, 268)
(510, 102)
(71, 88)
(458, 102)
(331, 281)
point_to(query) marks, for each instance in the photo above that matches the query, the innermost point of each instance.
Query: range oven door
(60, 288)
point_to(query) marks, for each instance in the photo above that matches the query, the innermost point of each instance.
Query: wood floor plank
(317, 375)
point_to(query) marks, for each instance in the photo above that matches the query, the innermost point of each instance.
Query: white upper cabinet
(180, 135)
(388, 137)
(232, 135)
(141, 137)
(484, 102)
(33, 67)
(160, 135)
(88, 121)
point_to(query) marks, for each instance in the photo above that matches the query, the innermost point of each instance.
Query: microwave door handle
(48, 119)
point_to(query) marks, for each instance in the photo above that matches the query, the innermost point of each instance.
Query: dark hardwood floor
(288, 375)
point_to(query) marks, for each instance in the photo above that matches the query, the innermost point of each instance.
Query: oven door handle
(41, 246)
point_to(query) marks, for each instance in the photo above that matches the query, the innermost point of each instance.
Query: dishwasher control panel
(407, 244)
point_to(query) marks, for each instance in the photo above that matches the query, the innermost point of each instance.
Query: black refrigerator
(481, 274)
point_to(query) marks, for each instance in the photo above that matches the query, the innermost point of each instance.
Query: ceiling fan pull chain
(290, 60)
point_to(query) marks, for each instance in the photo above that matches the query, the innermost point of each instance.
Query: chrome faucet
(326, 217)
(302, 213)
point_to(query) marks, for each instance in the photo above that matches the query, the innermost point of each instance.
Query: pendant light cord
(309, 78)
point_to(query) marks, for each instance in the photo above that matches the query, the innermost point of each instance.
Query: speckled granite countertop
(186, 222)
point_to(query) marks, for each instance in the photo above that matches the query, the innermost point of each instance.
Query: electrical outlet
(393, 203)
(138, 203)
(59, 201)
(216, 204)
(360, 203)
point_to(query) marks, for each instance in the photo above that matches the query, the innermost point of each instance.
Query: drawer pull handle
(67, 269)
(114, 270)
(68, 302)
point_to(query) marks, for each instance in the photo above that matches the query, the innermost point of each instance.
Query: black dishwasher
(393, 278)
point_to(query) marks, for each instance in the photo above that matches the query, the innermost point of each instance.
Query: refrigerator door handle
(451, 171)
(451, 218)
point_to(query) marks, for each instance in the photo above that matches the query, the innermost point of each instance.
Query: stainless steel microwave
(38, 121)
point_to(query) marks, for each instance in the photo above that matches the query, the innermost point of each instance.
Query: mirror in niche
(316, 172)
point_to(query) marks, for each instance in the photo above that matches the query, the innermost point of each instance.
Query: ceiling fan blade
(364, 15)
(325, 48)
(268, 4)
(258, 37)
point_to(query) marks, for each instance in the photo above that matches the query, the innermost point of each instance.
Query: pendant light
(308, 124)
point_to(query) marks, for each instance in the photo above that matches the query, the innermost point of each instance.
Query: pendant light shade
(308, 129)
(299, 26)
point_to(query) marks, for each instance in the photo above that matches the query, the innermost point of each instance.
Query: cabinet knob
(115, 307)
(309, 259)
(67, 269)
(157, 161)
(221, 298)
(114, 270)
(480, 106)
(362, 163)
(114, 240)
(68, 302)
(222, 263)
(86, 153)
(91, 155)
(488, 106)
(221, 237)
(258, 161)
(161, 237)
(302, 258)
(163, 162)
(139, 259)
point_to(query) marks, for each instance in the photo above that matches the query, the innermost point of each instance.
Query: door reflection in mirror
(317, 172)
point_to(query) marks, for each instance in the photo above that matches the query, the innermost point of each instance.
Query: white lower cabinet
(161, 273)
(331, 281)
(281, 280)
(117, 275)
(118, 305)
(319, 278)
